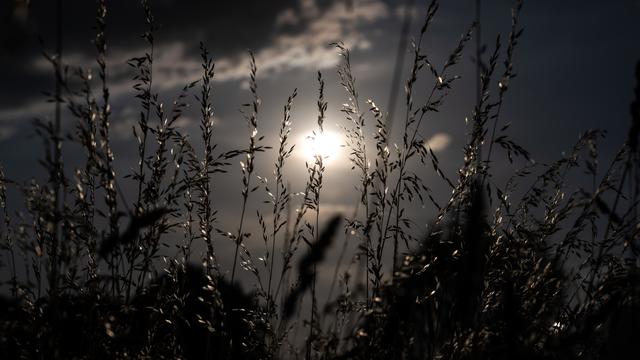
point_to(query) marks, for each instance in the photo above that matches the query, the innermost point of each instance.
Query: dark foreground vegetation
(540, 266)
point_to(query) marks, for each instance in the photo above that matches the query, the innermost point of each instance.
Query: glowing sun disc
(326, 145)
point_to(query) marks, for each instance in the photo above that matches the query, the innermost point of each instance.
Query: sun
(326, 144)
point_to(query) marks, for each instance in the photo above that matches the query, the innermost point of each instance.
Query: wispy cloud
(438, 141)
(307, 49)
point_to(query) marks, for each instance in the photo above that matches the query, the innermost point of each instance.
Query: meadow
(542, 264)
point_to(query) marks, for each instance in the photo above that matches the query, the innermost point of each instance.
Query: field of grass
(543, 265)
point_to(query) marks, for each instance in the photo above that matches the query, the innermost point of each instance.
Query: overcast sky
(575, 65)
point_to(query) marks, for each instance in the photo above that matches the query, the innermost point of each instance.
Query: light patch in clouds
(287, 18)
(6, 132)
(401, 11)
(438, 142)
(26, 112)
(309, 50)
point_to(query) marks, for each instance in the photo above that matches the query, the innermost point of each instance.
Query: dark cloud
(229, 24)
(227, 27)
(291, 34)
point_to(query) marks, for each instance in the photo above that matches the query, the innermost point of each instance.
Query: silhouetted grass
(534, 267)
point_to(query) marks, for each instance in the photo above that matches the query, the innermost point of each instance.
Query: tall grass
(536, 266)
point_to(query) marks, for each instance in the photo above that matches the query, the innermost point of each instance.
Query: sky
(575, 68)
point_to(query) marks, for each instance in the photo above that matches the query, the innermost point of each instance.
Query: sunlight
(327, 145)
